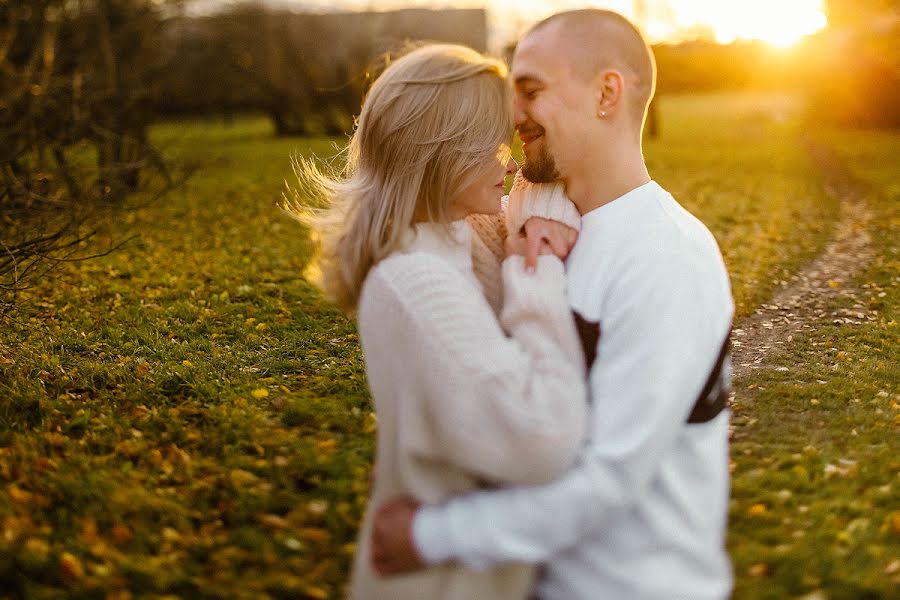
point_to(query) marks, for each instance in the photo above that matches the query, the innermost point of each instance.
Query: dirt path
(803, 304)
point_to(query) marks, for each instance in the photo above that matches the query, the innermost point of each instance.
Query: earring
(601, 114)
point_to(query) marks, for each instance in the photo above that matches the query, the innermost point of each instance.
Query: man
(642, 514)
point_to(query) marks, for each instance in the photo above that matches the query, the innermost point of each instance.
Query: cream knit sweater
(460, 404)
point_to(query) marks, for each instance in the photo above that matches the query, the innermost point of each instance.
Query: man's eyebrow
(526, 78)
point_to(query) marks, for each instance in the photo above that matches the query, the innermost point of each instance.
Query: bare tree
(308, 72)
(75, 88)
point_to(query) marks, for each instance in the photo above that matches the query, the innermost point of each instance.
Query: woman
(460, 403)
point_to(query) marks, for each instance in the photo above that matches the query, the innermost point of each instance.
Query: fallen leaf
(758, 570)
(70, 566)
(37, 548)
(757, 510)
(240, 477)
(314, 534)
(316, 592)
(121, 534)
(18, 495)
(273, 521)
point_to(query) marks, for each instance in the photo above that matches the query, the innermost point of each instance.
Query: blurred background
(96, 74)
(185, 416)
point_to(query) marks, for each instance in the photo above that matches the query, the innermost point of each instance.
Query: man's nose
(518, 113)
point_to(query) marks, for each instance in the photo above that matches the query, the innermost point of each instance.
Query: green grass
(188, 416)
(816, 504)
(734, 161)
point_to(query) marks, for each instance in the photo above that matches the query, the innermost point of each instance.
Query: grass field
(815, 502)
(188, 418)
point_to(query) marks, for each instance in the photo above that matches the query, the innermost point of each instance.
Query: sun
(780, 23)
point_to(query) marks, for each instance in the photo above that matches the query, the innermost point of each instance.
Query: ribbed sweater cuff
(431, 536)
(546, 200)
(541, 292)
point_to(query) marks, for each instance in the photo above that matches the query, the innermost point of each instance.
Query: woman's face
(482, 196)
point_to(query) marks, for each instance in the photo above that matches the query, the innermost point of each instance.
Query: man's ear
(609, 88)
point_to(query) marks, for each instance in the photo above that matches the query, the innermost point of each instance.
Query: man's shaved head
(596, 40)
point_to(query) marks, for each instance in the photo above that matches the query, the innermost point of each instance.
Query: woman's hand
(540, 233)
(542, 236)
(517, 245)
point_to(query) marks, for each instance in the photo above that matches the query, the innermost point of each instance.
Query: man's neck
(605, 180)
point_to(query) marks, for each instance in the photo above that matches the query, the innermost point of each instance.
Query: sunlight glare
(780, 23)
(777, 22)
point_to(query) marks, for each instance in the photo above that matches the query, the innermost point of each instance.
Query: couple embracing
(549, 371)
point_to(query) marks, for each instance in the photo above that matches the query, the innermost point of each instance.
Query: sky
(779, 22)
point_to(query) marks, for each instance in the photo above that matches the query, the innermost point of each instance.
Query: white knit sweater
(642, 515)
(460, 405)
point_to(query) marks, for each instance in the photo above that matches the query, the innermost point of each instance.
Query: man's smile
(529, 135)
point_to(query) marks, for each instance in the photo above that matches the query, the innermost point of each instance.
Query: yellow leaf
(187, 363)
(316, 592)
(273, 521)
(18, 495)
(314, 534)
(894, 522)
(260, 393)
(88, 531)
(317, 507)
(757, 509)
(371, 423)
(55, 439)
(758, 570)
(70, 566)
(121, 534)
(326, 446)
(241, 477)
(38, 549)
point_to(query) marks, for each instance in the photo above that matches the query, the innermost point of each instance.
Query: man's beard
(542, 169)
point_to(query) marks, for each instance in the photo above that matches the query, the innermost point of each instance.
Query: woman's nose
(511, 166)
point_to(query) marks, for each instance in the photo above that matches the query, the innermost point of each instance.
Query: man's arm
(544, 213)
(655, 351)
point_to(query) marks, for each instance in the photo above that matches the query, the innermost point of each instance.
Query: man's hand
(393, 548)
(540, 232)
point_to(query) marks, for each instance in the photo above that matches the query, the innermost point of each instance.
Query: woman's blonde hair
(432, 123)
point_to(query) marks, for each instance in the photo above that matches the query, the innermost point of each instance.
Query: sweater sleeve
(546, 200)
(508, 410)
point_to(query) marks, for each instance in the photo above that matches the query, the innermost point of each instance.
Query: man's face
(551, 104)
